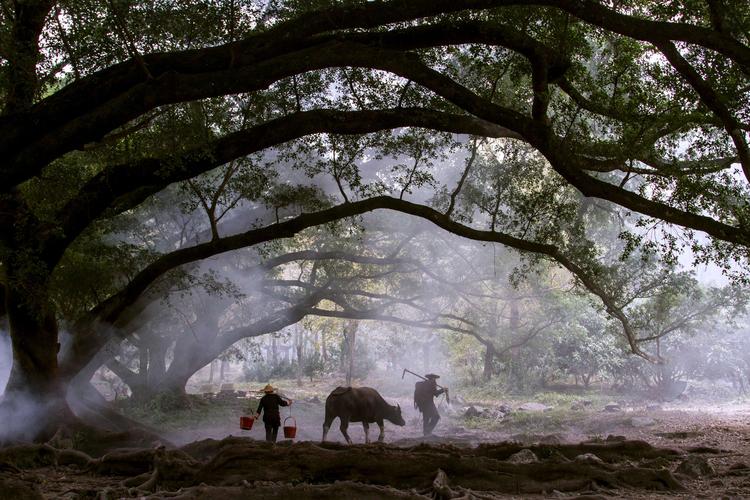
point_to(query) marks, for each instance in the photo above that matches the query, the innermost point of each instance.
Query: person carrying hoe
(424, 392)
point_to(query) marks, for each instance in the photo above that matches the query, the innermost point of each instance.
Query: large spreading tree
(636, 108)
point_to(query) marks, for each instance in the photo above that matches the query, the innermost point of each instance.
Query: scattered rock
(589, 458)
(525, 456)
(471, 412)
(581, 404)
(642, 421)
(613, 407)
(695, 467)
(486, 413)
(505, 409)
(553, 439)
(531, 406)
(615, 438)
(441, 486)
(492, 414)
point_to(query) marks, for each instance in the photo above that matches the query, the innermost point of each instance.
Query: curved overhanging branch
(111, 309)
(557, 151)
(179, 81)
(148, 176)
(537, 133)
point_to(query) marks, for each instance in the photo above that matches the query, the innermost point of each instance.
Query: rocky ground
(582, 447)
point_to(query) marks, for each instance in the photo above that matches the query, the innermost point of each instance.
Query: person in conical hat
(269, 405)
(424, 392)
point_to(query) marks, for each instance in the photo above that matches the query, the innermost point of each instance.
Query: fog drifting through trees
(547, 204)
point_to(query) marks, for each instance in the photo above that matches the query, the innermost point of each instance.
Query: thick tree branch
(148, 176)
(712, 99)
(111, 309)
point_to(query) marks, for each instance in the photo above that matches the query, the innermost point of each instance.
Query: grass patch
(162, 412)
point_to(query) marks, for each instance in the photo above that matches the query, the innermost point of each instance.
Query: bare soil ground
(572, 449)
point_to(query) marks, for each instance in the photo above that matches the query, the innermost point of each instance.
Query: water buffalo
(359, 404)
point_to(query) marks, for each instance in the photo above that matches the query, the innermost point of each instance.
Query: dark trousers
(271, 432)
(430, 418)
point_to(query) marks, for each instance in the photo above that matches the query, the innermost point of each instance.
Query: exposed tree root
(309, 470)
(13, 487)
(91, 408)
(608, 451)
(417, 468)
(335, 491)
(209, 448)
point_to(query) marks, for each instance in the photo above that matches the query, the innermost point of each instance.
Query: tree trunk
(157, 363)
(352, 341)
(489, 355)
(300, 355)
(129, 378)
(211, 372)
(323, 349)
(34, 386)
(223, 369)
(515, 316)
(142, 366)
(274, 353)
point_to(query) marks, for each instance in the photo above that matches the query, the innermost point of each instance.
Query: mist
(6, 360)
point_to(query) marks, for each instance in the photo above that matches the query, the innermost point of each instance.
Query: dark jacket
(424, 392)
(270, 404)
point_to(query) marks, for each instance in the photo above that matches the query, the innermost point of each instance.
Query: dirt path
(678, 451)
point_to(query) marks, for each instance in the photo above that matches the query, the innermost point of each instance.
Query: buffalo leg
(366, 427)
(344, 426)
(326, 425)
(382, 431)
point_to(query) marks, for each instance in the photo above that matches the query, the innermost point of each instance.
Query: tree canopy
(533, 124)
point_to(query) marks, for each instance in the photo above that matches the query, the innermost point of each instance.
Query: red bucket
(246, 423)
(290, 431)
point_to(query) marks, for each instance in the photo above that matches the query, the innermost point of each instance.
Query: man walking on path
(269, 404)
(424, 392)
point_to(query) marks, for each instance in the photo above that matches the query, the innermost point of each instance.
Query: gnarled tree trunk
(34, 402)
